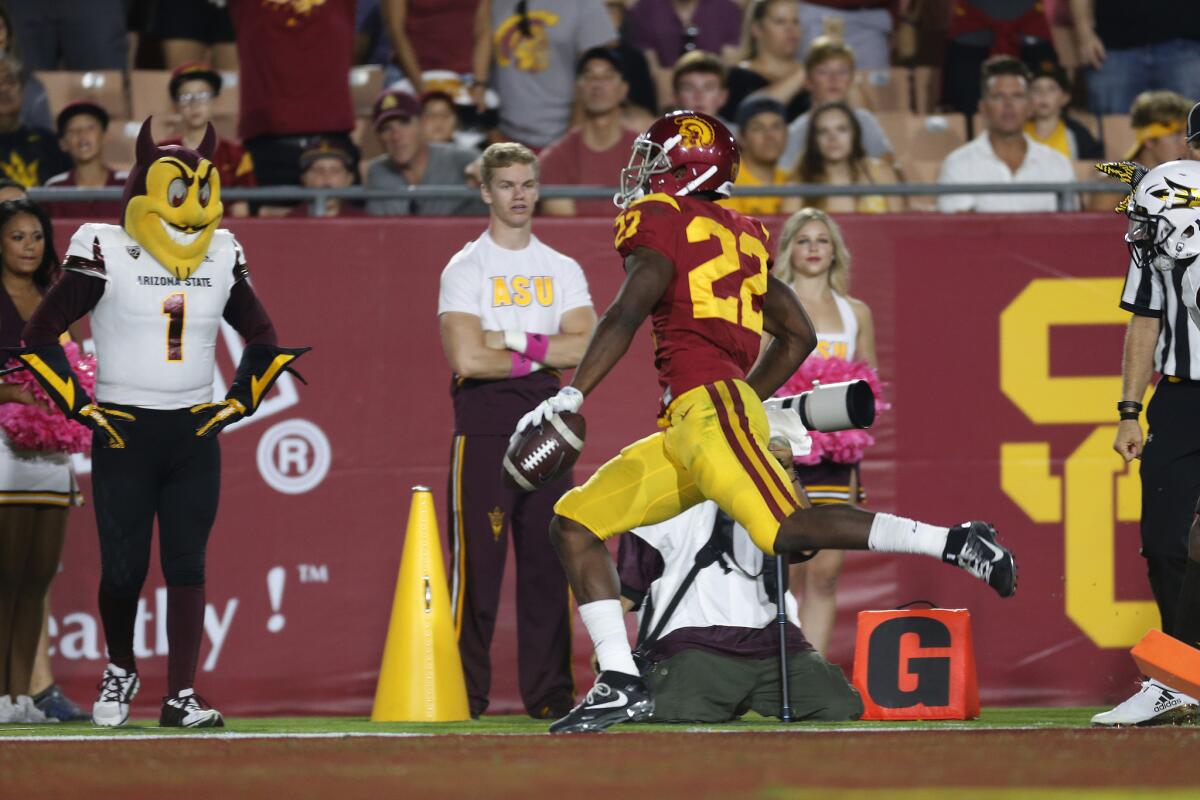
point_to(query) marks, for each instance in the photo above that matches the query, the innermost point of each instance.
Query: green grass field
(1011, 752)
(996, 719)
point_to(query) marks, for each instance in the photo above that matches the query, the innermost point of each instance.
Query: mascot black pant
(164, 471)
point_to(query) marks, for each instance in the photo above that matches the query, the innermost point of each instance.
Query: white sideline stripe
(788, 729)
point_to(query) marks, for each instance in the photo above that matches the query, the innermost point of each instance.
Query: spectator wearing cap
(1159, 120)
(536, 47)
(193, 89)
(594, 152)
(829, 76)
(82, 126)
(328, 166)
(293, 61)
(762, 134)
(768, 66)
(28, 155)
(699, 84)
(410, 160)
(1049, 94)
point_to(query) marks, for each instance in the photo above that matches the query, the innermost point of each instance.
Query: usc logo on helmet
(695, 132)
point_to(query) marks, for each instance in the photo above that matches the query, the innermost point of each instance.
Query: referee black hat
(1193, 131)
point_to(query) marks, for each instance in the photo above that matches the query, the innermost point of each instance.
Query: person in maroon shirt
(328, 166)
(295, 56)
(81, 129)
(594, 152)
(193, 88)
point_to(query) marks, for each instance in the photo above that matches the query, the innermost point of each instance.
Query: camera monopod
(826, 408)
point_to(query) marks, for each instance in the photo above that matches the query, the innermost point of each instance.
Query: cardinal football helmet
(1164, 215)
(684, 152)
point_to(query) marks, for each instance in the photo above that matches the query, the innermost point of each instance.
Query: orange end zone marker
(1170, 661)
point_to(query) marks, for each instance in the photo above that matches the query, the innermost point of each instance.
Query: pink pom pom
(843, 447)
(44, 427)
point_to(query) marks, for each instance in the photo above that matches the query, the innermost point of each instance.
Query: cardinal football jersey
(155, 335)
(708, 324)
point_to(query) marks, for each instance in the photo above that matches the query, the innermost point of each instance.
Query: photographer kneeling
(708, 641)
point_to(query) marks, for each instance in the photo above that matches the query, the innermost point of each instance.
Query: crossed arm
(476, 353)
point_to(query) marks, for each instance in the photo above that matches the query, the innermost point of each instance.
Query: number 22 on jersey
(738, 309)
(174, 308)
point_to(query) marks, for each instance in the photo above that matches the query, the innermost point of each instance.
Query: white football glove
(568, 399)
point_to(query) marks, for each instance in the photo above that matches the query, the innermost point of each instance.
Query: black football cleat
(188, 710)
(615, 697)
(973, 546)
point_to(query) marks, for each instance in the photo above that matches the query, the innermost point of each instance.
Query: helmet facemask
(1161, 240)
(1145, 238)
(647, 158)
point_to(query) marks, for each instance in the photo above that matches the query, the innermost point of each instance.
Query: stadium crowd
(408, 92)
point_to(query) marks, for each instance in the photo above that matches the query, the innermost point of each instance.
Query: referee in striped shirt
(1163, 338)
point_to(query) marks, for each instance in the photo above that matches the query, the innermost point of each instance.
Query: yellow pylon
(421, 678)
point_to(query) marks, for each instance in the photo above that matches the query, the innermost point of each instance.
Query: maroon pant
(482, 512)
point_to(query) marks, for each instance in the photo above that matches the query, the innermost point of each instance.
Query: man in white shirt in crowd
(513, 312)
(1004, 153)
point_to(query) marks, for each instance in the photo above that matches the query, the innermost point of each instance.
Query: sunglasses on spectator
(188, 98)
(690, 34)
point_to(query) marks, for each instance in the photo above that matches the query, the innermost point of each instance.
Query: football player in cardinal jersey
(702, 274)
(157, 287)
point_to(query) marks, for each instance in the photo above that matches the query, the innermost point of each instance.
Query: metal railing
(1065, 193)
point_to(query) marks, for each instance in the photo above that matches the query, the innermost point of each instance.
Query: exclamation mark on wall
(275, 578)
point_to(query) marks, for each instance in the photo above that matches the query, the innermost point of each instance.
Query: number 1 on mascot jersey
(157, 287)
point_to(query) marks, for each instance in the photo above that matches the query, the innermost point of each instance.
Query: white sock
(892, 534)
(606, 625)
(115, 670)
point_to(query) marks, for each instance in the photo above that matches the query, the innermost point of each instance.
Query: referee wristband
(1129, 409)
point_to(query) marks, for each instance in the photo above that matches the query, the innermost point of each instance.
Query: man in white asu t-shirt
(513, 312)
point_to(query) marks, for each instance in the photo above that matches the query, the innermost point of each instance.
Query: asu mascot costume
(157, 287)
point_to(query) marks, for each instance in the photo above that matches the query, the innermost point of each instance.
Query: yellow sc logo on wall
(1095, 489)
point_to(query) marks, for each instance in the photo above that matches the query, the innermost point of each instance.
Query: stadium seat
(920, 138)
(1118, 136)
(148, 93)
(366, 82)
(917, 171)
(886, 90)
(927, 88)
(121, 140)
(105, 88)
